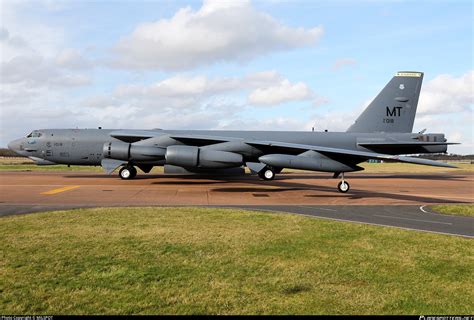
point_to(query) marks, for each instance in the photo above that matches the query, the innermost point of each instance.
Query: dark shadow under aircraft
(383, 132)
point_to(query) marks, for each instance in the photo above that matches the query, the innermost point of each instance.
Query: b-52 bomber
(382, 132)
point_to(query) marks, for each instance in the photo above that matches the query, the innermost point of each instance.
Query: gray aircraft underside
(382, 131)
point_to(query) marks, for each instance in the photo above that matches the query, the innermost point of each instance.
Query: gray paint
(396, 105)
(382, 130)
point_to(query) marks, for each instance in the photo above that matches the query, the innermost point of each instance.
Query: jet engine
(195, 157)
(130, 151)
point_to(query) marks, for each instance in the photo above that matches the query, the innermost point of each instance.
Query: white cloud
(72, 59)
(447, 94)
(218, 31)
(31, 77)
(280, 93)
(27, 35)
(181, 86)
(267, 88)
(34, 85)
(34, 70)
(274, 124)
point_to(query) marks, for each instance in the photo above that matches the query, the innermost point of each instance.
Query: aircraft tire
(267, 174)
(127, 173)
(343, 186)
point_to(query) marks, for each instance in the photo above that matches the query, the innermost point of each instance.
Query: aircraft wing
(291, 148)
(192, 139)
(202, 140)
(338, 152)
(134, 135)
(404, 144)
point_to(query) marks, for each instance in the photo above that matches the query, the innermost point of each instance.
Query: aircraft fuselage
(86, 146)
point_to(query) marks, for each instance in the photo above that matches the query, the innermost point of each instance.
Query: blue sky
(270, 65)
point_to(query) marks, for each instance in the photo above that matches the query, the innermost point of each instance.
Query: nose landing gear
(128, 172)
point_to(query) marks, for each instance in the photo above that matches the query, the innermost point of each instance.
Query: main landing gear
(343, 186)
(128, 172)
(268, 173)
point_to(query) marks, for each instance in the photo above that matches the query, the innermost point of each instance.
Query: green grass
(33, 167)
(455, 209)
(222, 261)
(25, 164)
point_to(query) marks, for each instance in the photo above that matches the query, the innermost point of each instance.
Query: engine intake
(194, 157)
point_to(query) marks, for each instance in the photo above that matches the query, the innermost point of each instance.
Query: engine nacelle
(129, 151)
(194, 157)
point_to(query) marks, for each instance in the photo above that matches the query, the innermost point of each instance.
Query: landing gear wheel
(127, 173)
(267, 174)
(343, 186)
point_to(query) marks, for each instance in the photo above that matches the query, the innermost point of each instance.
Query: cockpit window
(34, 134)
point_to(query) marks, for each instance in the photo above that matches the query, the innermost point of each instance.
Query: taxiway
(382, 199)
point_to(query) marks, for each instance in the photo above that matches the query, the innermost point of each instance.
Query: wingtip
(446, 165)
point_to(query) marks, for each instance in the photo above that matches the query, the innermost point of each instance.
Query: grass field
(23, 164)
(453, 209)
(221, 261)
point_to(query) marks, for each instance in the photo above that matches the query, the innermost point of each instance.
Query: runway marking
(380, 215)
(422, 209)
(59, 190)
(29, 185)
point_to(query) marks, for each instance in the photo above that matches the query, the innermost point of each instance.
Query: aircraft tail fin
(394, 108)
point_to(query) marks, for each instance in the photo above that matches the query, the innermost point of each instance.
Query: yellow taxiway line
(59, 190)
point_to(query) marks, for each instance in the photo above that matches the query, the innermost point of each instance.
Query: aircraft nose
(15, 145)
